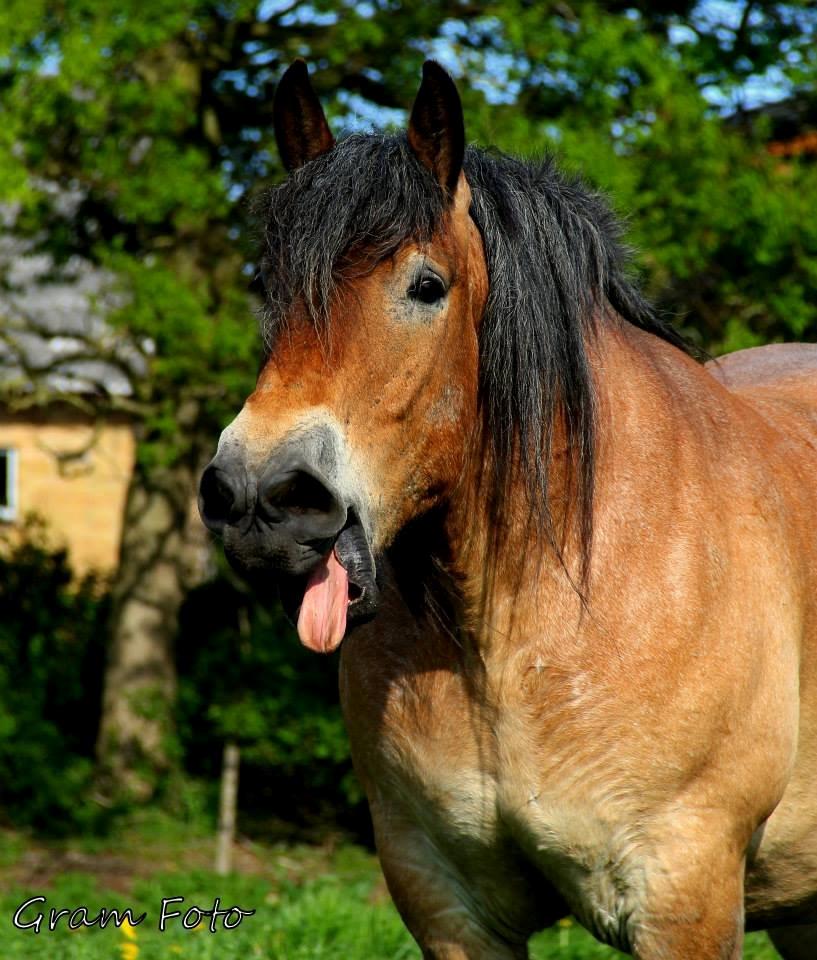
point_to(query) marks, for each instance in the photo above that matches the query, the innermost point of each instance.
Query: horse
(570, 567)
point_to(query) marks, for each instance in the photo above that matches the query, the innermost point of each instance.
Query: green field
(310, 902)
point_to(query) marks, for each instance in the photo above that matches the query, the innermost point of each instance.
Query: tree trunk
(163, 554)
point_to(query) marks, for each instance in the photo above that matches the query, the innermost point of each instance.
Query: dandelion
(129, 950)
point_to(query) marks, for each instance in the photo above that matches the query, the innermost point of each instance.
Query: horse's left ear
(436, 130)
(301, 129)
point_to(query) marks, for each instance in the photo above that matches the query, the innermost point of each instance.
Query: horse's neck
(648, 400)
(650, 396)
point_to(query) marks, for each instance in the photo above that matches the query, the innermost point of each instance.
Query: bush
(244, 676)
(52, 652)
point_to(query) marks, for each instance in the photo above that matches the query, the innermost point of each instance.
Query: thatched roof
(54, 338)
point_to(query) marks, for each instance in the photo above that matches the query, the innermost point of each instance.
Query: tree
(644, 100)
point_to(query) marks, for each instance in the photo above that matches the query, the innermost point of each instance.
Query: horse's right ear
(301, 130)
(436, 131)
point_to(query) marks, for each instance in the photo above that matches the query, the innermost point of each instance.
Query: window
(8, 484)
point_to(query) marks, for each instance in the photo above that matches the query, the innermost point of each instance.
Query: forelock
(344, 211)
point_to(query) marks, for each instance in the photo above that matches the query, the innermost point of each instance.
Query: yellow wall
(74, 474)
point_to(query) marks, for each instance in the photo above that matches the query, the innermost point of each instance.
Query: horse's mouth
(338, 594)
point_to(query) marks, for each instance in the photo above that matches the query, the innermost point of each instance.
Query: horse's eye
(427, 289)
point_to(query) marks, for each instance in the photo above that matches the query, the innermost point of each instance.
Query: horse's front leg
(433, 898)
(693, 903)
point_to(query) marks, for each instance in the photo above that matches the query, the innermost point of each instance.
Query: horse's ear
(301, 129)
(436, 130)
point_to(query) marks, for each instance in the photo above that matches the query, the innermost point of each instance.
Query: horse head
(365, 409)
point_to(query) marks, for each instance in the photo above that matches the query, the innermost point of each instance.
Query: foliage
(160, 119)
(649, 102)
(243, 676)
(51, 653)
(157, 118)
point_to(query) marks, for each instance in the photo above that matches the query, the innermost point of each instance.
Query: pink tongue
(322, 620)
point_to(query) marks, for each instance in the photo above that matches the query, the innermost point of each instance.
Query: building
(72, 471)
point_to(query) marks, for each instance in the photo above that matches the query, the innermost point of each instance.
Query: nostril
(217, 496)
(304, 503)
(299, 493)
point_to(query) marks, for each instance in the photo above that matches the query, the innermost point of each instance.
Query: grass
(311, 903)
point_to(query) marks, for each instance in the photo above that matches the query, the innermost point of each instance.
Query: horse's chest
(441, 753)
(465, 786)
(466, 779)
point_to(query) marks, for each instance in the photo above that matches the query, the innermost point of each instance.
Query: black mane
(555, 267)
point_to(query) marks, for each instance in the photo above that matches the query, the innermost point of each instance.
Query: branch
(740, 34)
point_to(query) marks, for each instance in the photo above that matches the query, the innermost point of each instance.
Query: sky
(721, 17)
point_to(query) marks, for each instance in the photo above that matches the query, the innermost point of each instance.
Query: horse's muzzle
(280, 522)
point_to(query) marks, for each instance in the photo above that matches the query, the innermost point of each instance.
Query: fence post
(227, 807)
